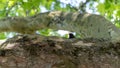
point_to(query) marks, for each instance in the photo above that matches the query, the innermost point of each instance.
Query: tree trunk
(54, 52)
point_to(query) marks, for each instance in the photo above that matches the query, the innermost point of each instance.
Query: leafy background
(9, 8)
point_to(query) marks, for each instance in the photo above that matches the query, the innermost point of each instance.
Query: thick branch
(88, 25)
(54, 52)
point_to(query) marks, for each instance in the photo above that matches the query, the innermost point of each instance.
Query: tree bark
(54, 52)
(94, 50)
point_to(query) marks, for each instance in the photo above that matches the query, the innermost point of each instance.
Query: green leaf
(2, 36)
(101, 8)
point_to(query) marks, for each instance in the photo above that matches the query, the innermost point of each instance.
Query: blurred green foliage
(108, 8)
(2, 36)
(111, 10)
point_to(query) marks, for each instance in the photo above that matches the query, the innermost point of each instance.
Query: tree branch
(88, 25)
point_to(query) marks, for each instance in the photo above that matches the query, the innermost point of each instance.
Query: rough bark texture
(32, 51)
(53, 52)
